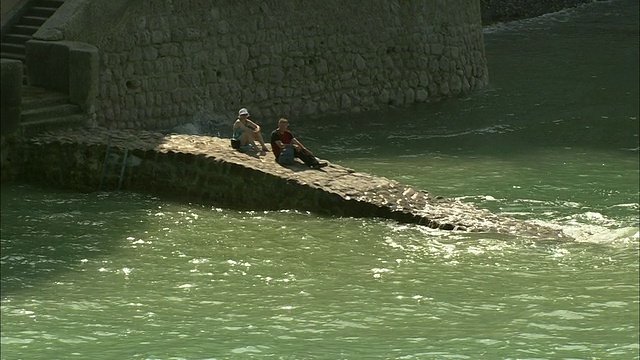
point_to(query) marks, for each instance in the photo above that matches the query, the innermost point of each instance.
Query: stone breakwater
(207, 170)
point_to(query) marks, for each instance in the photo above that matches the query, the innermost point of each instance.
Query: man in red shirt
(282, 137)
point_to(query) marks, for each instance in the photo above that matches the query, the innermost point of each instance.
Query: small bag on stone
(235, 144)
(287, 155)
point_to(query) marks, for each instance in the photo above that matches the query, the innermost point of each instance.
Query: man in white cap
(246, 132)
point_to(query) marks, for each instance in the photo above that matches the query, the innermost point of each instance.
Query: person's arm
(302, 147)
(245, 127)
(255, 127)
(275, 139)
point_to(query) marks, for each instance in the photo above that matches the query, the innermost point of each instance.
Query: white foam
(601, 235)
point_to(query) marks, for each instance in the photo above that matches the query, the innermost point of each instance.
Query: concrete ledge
(207, 170)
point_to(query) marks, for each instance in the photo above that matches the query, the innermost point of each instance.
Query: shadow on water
(44, 233)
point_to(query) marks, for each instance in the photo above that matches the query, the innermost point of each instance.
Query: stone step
(24, 29)
(48, 112)
(42, 11)
(33, 20)
(35, 92)
(28, 103)
(14, 56)
(31, 128)
(16, 38)
(49, 3)
(36, 97)
(12, 48)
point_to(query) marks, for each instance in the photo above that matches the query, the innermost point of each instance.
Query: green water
(552, 139)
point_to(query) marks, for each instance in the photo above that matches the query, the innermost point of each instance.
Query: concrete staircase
(44, 110)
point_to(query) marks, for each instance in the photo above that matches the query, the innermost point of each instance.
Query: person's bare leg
(247, 139)
(258, 136)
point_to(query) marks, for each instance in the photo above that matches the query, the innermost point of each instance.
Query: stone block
(421, 95)
(11, 82)
(345, 101)
(360, 63)
(48, 64)
(83, 80)
(10, 119)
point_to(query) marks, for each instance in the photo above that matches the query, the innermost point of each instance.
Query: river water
(552, 139)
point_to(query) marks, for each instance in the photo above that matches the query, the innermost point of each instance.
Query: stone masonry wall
(166, 63)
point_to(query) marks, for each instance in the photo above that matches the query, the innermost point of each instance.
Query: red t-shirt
(285, 137)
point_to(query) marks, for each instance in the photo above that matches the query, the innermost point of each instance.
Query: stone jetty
(207, 170)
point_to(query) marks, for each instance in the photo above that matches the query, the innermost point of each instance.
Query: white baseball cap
(243, 111)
